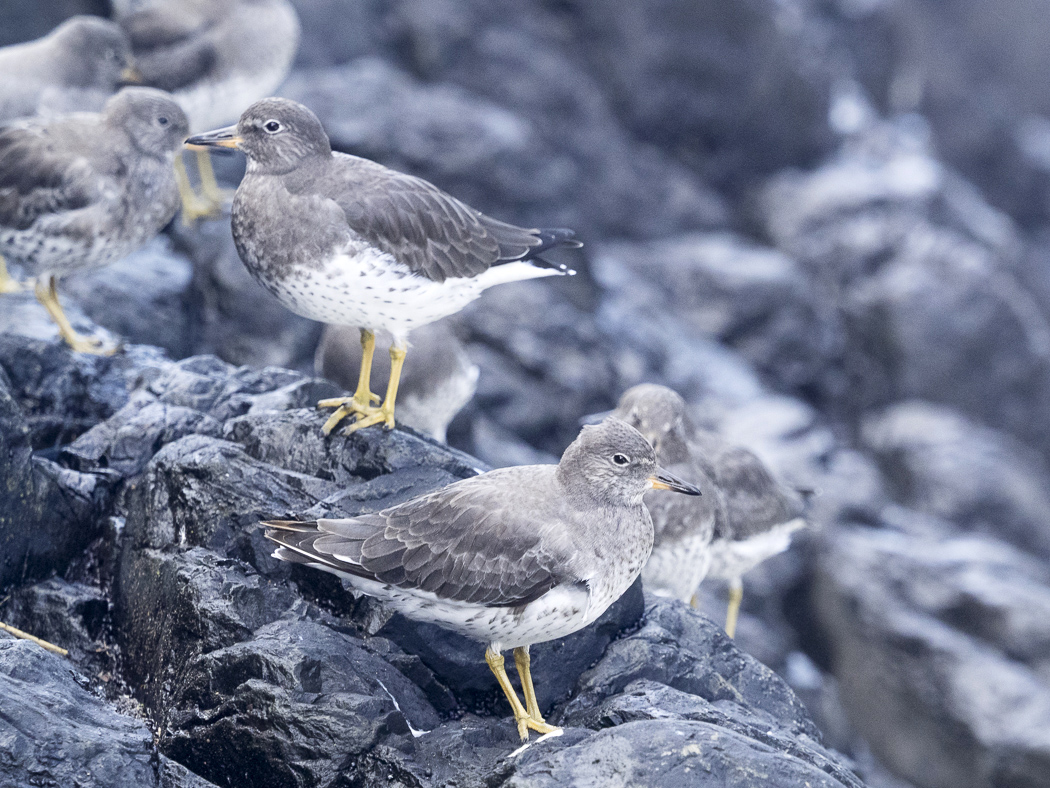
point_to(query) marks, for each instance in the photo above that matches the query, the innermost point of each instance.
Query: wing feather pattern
(430, 232)
(464, 543)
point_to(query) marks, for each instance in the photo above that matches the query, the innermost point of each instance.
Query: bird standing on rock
(215, 57)
(512, 557)
(344, 240)
(749, 517)
(76, 66)
(83, 190)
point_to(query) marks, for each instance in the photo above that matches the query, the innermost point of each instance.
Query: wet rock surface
(824, 224)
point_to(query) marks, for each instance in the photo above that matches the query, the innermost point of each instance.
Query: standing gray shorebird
(215, 57)
(512, 557)
(750, 517)
(345, 240)
(76, 66)
(83, 190)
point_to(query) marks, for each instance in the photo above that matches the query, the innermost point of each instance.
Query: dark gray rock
(73, 616)
(48, 513)
(939, 648)
(738, 91)
(141, 299)
(945, 465)
(682, 649)
(57, 732)
(296, 701)
(230, 314)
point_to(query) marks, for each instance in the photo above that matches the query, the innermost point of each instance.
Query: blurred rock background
(823, 222)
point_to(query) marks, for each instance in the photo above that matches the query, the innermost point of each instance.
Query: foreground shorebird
(750, 517)
(215, 57)
(83, 190)
(512, 557)
(344, 240)
(76, 66)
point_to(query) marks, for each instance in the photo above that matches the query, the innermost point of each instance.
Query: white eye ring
(621, 459)
(272, 126)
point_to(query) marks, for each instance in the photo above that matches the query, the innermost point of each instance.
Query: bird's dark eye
(272, 126)
(163, 121)
(621, 459)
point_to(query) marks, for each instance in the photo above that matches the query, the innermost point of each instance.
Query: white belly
(731, 559)
(370, 290)
(676, 568)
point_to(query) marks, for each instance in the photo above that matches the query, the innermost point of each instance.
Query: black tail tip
(558, 236)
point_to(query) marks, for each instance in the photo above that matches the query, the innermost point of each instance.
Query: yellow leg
(736, 595)
(522, 660)
(521, 716)
(7, 283)
(361, 402)
(48, 296)
(193, 206)
(384, 414)
(209, 185)
(694, 602)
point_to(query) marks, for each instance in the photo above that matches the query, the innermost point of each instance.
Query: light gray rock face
(754, 299)
(945, 465)
(940, 648)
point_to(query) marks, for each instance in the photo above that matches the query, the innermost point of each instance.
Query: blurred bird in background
(215, 57)
(82, 190)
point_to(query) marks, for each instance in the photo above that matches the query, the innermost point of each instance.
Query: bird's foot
(9, 285)
(359, 405)
(196, 208)
(527, 723)
(91, 345)
(381, 415)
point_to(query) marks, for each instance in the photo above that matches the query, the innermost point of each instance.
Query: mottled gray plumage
(83, 190)
(748, 506)
(75, 67)
(214, 56)
(505, 540)
(438, 379)
(347, 241)
(512, 557)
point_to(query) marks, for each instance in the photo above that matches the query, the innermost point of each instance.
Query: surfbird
(437, 381)
(83, 190)
(215, 57)
(751, 515)
(75, 67)
(344, 240)
(512, 557)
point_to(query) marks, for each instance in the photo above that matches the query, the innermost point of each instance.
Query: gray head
(91, 52)
(660, 415)
(613, 464)
(152, 120)
(277, 135)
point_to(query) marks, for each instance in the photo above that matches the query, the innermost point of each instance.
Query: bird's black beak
(220, 138)
(662, 480)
